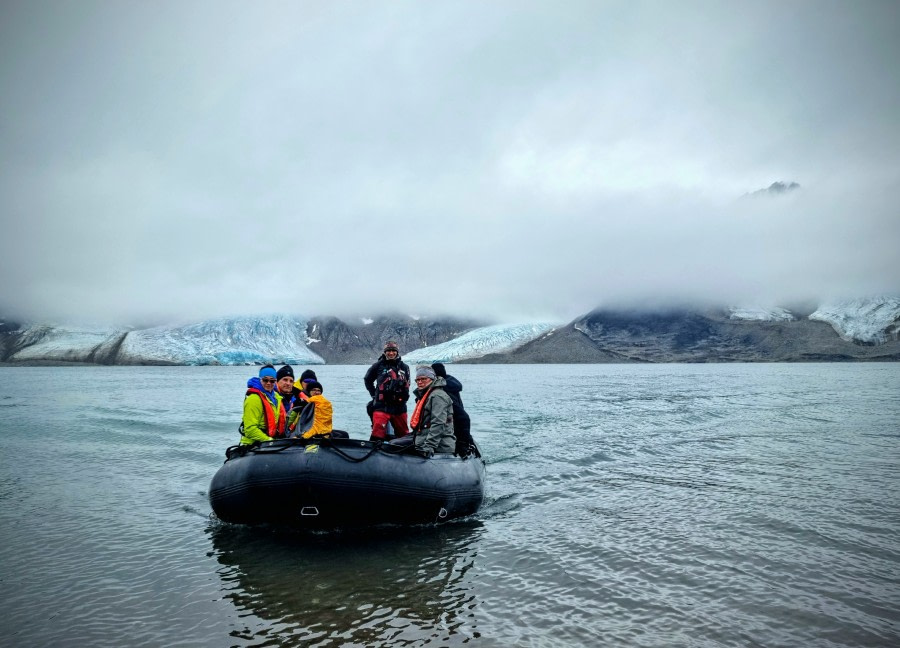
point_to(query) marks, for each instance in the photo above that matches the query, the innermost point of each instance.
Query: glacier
(44, 342)
(482, 341)
(760, 314)
(874, 320)
(223, 341)
(275, 339)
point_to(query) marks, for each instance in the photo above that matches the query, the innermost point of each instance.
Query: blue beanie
(268, 371)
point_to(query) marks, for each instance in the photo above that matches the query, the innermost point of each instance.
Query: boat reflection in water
(397, 586)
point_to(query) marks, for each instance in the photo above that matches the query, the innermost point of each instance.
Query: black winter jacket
(462, 424)
(376, 377)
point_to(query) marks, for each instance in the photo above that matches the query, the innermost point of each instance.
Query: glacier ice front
(760, 314)
(872, 321)
(223, 341)
(480, 342)
(41, 342)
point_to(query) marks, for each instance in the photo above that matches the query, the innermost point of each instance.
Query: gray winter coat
(435, 427)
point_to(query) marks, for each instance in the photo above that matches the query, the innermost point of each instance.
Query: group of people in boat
(278, 406)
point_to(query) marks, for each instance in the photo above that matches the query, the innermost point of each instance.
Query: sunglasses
(267, 381)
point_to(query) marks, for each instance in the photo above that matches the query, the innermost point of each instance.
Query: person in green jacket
(264, 416)
(432, 419)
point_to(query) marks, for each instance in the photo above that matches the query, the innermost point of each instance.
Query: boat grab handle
(309, 510)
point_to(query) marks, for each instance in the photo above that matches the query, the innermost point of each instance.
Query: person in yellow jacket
(264, 416)
(315, 418)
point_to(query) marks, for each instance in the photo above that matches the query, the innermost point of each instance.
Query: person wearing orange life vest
(432, 419)
(264, 416)
(462, 424)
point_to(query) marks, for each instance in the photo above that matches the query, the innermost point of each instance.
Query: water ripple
(626, 506)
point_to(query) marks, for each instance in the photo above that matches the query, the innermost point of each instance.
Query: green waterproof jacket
(435, 427)
(254, 419)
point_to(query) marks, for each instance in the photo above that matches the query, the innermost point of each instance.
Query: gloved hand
(428, 453)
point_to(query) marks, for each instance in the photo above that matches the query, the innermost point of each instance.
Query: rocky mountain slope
(727, 335)
(360, 340)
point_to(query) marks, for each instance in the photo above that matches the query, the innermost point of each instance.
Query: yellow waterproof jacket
(321, 419)
(254, 419)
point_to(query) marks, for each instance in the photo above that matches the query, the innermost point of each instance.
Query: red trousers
(380, 420)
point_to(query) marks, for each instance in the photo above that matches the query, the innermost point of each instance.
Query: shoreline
(823, 360)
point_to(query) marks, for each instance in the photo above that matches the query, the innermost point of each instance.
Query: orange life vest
(271, 425)
(417, 413)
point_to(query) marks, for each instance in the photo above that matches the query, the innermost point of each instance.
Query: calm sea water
(670, 505)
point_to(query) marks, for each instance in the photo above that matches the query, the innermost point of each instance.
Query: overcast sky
(510, 160)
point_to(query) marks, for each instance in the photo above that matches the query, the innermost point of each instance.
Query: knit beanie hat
(267, 371)
(390, 345)
(314, 385)
(424, 371)
(439, 369)
(286, 370)
(309, 374)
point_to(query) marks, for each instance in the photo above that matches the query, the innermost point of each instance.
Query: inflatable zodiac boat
(330, 483)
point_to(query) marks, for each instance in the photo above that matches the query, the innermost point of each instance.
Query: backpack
(392, 387)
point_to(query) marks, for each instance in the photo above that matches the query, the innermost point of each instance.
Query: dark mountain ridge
(684, 335)
(360, 342)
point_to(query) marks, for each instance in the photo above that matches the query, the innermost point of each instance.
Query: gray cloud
(182, 160)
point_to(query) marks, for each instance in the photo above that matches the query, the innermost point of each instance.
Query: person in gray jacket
(432, 419)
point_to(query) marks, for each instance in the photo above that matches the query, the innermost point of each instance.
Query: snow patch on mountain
(480, 342)
(225, 341)
(759, 314)
(871, 321)
(312, 335)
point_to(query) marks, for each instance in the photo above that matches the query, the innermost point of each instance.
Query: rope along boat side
(328, 483)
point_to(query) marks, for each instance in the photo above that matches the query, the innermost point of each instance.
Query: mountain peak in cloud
(777, 188)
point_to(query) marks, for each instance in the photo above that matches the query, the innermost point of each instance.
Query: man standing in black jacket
(387, 382)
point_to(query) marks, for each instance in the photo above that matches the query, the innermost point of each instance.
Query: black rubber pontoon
(332, 483)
